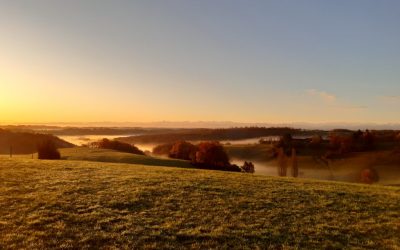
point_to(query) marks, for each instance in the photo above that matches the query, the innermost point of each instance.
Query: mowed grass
(92, 205)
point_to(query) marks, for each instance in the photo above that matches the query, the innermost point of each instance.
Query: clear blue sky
(244, 61)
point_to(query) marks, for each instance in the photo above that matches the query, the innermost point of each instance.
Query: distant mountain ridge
(213, 124)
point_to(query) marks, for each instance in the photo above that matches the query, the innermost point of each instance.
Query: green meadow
(75, 204)
(108, 155)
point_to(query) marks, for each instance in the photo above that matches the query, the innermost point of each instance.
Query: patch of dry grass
(76, 204)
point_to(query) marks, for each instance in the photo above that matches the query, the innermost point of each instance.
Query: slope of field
(77, 204)
(107, 155)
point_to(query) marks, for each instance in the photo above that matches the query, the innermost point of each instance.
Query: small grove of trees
(48, 150)
(118, 146)
(207, 155)
(341, 145)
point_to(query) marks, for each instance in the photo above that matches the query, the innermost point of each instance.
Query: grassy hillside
(77, 204)
(107, 155)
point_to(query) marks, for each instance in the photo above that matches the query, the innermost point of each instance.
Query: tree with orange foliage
(212, 154)
(183, 150)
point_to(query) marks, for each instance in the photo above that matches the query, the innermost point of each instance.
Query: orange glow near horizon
(135, 67)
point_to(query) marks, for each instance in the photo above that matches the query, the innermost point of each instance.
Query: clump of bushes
(48, 150)
(118, 146)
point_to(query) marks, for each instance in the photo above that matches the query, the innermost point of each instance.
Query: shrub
(48, 150)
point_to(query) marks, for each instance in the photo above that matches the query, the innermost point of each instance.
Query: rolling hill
(70, 204)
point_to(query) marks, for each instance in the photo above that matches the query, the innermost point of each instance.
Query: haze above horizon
(275, 62)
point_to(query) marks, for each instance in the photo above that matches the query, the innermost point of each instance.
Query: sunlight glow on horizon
(70, 62)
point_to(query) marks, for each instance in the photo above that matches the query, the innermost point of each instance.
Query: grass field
(107, 155)
(81, 204)
(112, 156)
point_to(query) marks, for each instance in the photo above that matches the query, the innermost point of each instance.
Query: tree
(163, 149)
(183, 150)
(286, 143)
(212, 154)
(369, 140)
(248, 167)
(48, 150)
(282, 162)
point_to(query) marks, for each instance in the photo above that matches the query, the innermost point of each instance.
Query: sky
(312, 61)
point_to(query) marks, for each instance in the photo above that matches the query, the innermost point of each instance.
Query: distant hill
(211, 124)
(215, 134)
(26, 142)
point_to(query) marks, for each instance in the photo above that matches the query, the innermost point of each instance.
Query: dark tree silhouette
(248, 167)
(48, 150)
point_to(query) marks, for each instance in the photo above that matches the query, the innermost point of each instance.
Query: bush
(118, 146)
(48, 150)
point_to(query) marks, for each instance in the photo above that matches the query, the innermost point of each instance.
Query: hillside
(107, 155)
(80, 204)
(26, 142)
